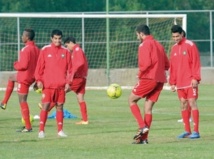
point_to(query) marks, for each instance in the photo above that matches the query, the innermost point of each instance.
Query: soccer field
(110, 131)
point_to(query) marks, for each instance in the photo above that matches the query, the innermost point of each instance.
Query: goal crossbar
(88, 15)
(83, 15)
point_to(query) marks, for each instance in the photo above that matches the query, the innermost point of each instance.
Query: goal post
(90, 31)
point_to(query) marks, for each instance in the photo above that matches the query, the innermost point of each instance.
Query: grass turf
(110, 132)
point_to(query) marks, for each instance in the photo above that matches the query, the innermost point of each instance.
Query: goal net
(109, 40)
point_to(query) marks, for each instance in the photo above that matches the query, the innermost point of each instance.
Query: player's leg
(192, 97)
(195, 117)
(133, 99)
(83, 109)
(59, 112)
(190, 112)
(185, 116)
(137, 93)
(148, 105)
(78, 86)
(10, 86)
(52, 105)
(59, 120)
(182, 95)
(25, 112)
(152, 97)
(46, 100)
(142, 127)
(43, 119)
(22, 91)
(141, 89)
(190, 119)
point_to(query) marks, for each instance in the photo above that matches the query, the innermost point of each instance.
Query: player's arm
(69, 73)
(172, 79)
(172, 71)
(39, 71)
(144, 59)
(23, 62)
(166, 61)
(196, 65)
(78, 61)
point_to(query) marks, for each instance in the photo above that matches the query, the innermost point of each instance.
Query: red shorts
(188, 93)
(22, 88)
(53, 96)
(148, 88)
(78, 85)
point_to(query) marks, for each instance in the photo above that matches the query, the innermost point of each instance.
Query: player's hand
(173, 88)
(194, 83)
(36, 89)
(39, 85)
(67, 88)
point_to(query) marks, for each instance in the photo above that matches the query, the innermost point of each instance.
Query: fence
(119, 67)
(200, 26)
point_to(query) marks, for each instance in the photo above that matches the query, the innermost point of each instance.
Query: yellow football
(114, 91)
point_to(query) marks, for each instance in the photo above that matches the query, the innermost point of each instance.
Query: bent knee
(133, 99)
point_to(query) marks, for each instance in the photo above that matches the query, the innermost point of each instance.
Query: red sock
(195, 115)
(137, 114)
(185, 116)
(43, 119)
(8, 92)
(189, 109)
(51, 106)
(148, 122)
(83, 110)
(25, 114)
(59, 120)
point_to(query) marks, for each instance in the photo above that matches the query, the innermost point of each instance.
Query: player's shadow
(30, 140)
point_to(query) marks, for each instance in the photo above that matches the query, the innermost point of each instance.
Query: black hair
(70, 39)
(30, 33)
(184, 33)
(177, 29)
(56, 32)
(144, 29)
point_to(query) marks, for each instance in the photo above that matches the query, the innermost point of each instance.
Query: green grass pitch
(110, 132)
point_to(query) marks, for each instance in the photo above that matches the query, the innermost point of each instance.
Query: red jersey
(79, 63)
(152, 60)
(26, 65)
(184, 64)
(53, 65)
